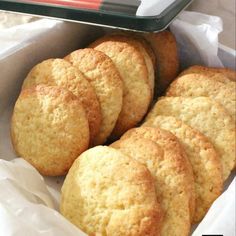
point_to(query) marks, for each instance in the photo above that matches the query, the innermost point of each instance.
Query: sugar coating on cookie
(207, 116)
(108, 193)
(59, 72)
(105, 78)
(177, 179)
(165, 48)
(49, 128)
(196, 85)
(133, 70)
(203, 157)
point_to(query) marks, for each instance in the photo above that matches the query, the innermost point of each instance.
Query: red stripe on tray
(91, 4)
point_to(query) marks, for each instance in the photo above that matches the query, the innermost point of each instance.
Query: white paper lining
(153, 7)
(26, 206)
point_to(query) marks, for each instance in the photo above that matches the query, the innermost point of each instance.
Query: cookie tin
(147, 16)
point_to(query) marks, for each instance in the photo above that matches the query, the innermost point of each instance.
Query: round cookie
(108, 193)
(147, 52)
(165, 48)
(203, 157)
(211, 72)
(171, 145)
(49, 128)
(148, 48)
(207, 116)
(143, 48)
(140, 37)
(105, 78)
(168, 180)
(231, 74)
(59, 72)
(196, 85)
(132, 67)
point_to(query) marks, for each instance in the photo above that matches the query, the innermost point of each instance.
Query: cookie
(148, 49)
(207, 116)
(172, 193)
(108, 193)
(203, 157)
(211, 72)
(49, 128)
(196, 85)
(132, 67)
(165, 48)
(105, 78)
(170, 143)
(140, 37)
(58, 72)
(147, 52)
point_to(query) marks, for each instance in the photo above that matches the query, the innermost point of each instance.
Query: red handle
(92, 4)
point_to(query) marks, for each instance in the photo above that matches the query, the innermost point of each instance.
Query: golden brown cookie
(196, 85)
(141, 44)
(110, 194)
(165, 48)
(148, 48)
(49, 128)
(132, 67)
(145, 50)
(203, 157)
(140, 37)
(164, 167)
(207, 116)
(105, 78)
(59, 72)
(171, 144)
(211, 72)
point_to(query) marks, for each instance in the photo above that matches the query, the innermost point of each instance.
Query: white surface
(221, 217)
(226, 9)
(24, 208)
(197, 36)
(13, 36)
(153, 7)
(8, 20)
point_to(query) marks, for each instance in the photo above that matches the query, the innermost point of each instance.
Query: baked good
(211, 71)
(105, 78)
(139, 37)
(196, 85)
(147, 47)
(203, 157)
(165, 48)
(207, 116)
(132, 67)
(59, 72)
(49, 128)
(168, 181)
(147, 52)
(108, 193)
(171, 144)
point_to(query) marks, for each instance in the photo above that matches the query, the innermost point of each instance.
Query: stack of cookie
(200, 110)
(140, 185)
(157, 179)
(186, 144)
(112, 83)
